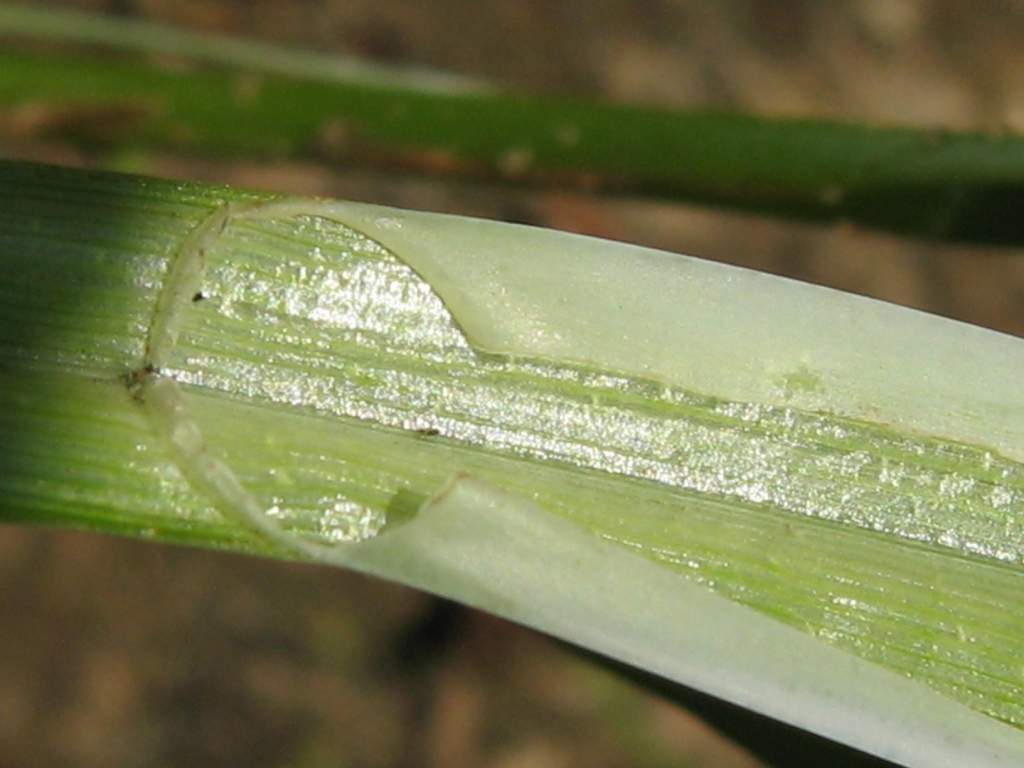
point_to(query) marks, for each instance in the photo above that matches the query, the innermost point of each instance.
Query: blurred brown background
(120, 654)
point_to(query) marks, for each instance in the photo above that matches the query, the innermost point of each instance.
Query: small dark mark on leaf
(133, 379)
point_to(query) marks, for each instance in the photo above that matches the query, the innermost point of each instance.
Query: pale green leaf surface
(712, 328)
(496, 551)
(829, 483)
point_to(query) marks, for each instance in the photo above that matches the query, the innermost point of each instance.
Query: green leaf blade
(343, 361)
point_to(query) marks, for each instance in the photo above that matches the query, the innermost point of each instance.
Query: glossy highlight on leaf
(468, 380)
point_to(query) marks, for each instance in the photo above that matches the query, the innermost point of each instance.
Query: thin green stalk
(73, 26)
(273, 377)
(938, 184)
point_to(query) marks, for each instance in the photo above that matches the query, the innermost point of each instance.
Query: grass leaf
(796, 499)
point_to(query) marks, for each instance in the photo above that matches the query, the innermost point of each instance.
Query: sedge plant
(801, 501)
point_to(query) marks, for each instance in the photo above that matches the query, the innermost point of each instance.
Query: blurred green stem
(931, 183)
